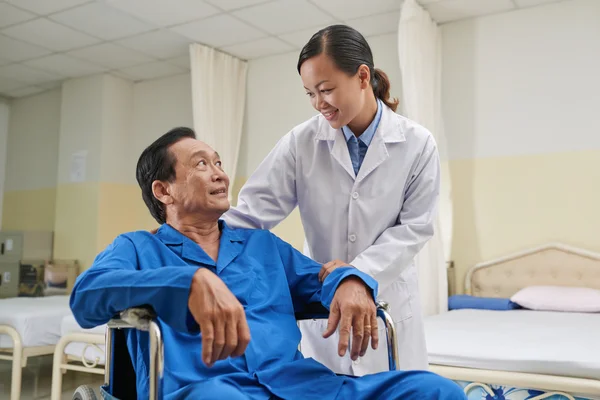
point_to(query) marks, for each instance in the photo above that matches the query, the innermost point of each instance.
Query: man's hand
(326, 269)
(353, 307)
(221, 318)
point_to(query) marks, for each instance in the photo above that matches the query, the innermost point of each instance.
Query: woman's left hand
(330, 266)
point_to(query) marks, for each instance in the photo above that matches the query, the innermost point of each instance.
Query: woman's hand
(329, 267)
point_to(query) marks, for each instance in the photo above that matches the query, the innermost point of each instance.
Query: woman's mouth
(330, 115)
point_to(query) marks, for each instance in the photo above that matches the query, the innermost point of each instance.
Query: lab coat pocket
(399, 298)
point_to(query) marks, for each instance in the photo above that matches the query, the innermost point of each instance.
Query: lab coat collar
(389, 128)
(231, 245)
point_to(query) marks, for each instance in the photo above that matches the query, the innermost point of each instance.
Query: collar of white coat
(389, 128)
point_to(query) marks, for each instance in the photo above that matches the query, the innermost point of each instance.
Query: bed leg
(57, 371)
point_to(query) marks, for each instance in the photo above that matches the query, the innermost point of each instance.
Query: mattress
(36, 319)
(77, 349)
(553, 343)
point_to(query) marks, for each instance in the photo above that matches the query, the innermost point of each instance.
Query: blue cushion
(462, 301)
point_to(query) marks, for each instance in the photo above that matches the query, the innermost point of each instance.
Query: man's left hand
(353, 309)
(326, 269)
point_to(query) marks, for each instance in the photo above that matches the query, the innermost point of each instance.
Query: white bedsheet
(77, 349)
(554, 343)
(37, 319)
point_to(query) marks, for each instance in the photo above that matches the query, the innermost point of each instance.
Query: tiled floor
(37, 380)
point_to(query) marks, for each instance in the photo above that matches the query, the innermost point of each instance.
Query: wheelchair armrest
(143, 319)
(136, 317)
(318, 311)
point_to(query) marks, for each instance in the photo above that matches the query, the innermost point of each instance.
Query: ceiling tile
(299, 38)
(181, 61)
(26, 91)
(7, 84)
(45, 7)
(531, 3)
(16, 50)
(452, 10)
(111, 56)
(258, 48)
(65, 66)
(426, 2)
(344, 9)
(10, 15)
(166, 13)
(25, 74)
(229, 5)
(50, 35)
(161, 44)
(102, 21)
(50, 85)
(150, 71)
(376, 24)
(218, 31)
(284, 16)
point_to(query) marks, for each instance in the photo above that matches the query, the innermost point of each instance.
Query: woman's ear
(364, 74)
(162, 192)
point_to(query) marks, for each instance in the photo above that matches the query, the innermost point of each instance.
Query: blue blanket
(462, 301)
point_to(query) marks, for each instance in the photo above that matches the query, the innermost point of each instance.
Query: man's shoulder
(135, 238)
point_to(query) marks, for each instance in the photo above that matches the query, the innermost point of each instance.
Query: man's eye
(219, 163)
(201, 162)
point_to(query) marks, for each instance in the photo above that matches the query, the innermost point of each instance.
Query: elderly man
(225, 298)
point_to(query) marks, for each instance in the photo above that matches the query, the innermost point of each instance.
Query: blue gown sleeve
(115, 283)
(303, 278)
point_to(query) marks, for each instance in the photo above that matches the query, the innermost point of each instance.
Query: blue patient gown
(270, 279)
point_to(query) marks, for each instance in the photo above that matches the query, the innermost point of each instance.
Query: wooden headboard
(551, 264)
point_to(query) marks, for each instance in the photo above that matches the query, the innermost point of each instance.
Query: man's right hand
(221, 318)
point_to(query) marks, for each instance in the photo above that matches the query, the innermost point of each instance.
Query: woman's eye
(326, 91)
(310, 95)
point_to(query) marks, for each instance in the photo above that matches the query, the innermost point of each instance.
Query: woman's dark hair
(157, 163)
(349, 50)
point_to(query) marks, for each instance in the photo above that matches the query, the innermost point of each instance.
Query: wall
(276, 102)
(31, 162)
(4, 121)
(159, 105)
(520, 109)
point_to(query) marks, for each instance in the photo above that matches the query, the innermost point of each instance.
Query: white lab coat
(376, 221)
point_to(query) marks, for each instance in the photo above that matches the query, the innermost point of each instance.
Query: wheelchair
(118, 362)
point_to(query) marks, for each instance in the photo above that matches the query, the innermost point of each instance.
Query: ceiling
(43, 42)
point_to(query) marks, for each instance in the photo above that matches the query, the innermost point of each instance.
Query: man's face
(201, 186)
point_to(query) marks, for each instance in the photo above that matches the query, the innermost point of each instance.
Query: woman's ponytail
(381, 88)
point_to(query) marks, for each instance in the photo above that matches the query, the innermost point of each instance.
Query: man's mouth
(219, 191)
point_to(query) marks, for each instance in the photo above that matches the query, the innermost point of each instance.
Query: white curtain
(419, 47)
(4, 112)
(218, 100)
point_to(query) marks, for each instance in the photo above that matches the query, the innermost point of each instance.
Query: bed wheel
(84, 393)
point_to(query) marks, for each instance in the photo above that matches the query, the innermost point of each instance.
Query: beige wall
(31, 162)
(520, 109)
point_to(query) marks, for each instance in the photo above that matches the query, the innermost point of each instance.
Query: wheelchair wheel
(84, 393)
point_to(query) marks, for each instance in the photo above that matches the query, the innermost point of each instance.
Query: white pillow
(558, 298)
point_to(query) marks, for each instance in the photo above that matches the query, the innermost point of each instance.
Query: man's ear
(162, 192)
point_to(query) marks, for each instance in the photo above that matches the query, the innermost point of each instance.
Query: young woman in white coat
(366, 181)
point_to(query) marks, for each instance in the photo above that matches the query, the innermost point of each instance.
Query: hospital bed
(118, 362)
(79, 350)
(522, 354)
(29, 327)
